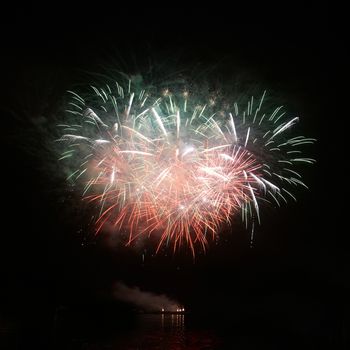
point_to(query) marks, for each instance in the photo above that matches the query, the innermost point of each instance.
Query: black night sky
(287, 290)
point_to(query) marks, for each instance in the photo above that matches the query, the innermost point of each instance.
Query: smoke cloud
(146, 301)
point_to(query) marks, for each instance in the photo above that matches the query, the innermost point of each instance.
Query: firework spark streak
(176, 168)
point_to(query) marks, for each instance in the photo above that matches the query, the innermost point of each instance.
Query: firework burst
(175, 167)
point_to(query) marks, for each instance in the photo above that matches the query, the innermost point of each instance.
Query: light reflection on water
(157, 331)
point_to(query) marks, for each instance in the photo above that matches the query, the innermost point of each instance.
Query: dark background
(289, 286)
